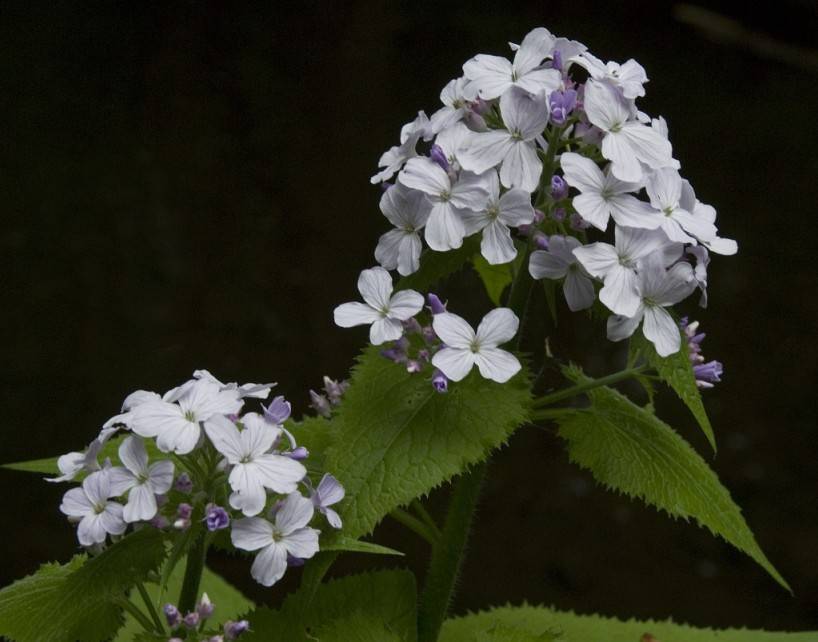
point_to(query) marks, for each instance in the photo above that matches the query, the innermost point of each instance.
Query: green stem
(421, 511)
(157, 621)
(573, 391)
(414, 524)
(138, 615)
(447, 555)
(193, 574)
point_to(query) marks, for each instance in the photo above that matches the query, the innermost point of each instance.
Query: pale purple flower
(393, 159)
(216, 518)
(561, 103)
(560, 262)
(142, 482)
(629, 77)
(436, 306)
(408, 210)
(89, 504)
(328, 492)
(232, 630)
(278, 411)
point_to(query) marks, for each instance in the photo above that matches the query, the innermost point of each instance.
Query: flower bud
(320, 404)
(278, 411)
(440, 382)
(541, 241)
(172, 615)
(438, 156)
(184, 484)
(299, 454)
(232, 630)
(216, 518)
(559, 188)
(435, 304)
(205, 607)
(191, 620)
(558, 214)
(578, 223)
(413, 366)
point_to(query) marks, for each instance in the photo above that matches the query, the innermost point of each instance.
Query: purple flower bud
(559, 188)
(172, 615)
(439, 381)
(334, 390)
(299, 454)
(539, 217)
(411, 326)
(394, 354)
(294, 562)
(205, 607)
(424, 355)
(577, 222)
(216, 518)
(541, 241)
(160, 522)
(709, 372)
(435, 304)
(562, 103)
(184, 510)
(558, 214)
(278, 411)
(232, 630)
(429, 335)
(438, 156)
(479, 106)
(191, 620)
(320, 404)
(184, 484)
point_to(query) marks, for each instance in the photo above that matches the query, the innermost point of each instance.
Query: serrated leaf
(386, 597)
(357, 627)
(436, 266)
(110, 450)
(594, 628)
(677, 371)
(347, 544)
(398, 439)
(495, 278)
(629, 449)
(229, 602)
(77, 601)
(316, 434)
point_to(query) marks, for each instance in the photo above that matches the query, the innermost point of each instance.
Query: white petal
(270, 565)
(90, 530)
(597, 258)
(540, 81)
(120, 480)
(516, 208)
(249, 495)
(348, 315)
(497, 246)
(333, 518)
(524, 115)
(472, 191)
(496, 364)
(205, 398)
(384, 330)
(302, 543)
(160, 476)
(620, 327)
(536, 45)
(624, 163)
(582, 173)
(330, 490)
(180, 440)
(225, 437)
(678, 284)
(726, 247)
(694, 225)
(155, 417)
(544, 265)
(97, 487)
(491, 75)
(295, 513)
(258, 436)
(660, 328)
(75, 503)
(453, 330)
(579, 291)
(594, 209)
(521, 167)
(141, 504)
(387, 251)
(405, 207)
(498, 327)
(133, 455)
(481, 151)
(409, 254)
(444, 229)
(279, 473)
(620, 292)
(375, 286)
(604, 107)
(637, 243)
(405, 304)
(251, 533)
(455, 363)
(648, 145)
(664, 187)
(111, 519)
(631, 212)
(425, 175)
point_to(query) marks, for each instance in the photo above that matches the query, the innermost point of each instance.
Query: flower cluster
(707, 373)
(551, 145)
(212, 464)
(193, 623)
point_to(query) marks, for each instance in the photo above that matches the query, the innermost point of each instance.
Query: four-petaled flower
(97, 516)
(408, 210)
(143, 483)
(558, 262)
(328, 492)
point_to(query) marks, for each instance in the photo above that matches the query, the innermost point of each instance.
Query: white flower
(558, 262)
(254, 467)
(629, 77)
(604, 196)
(617, 266)
(491, 76)
(512, 209)
(408, 211)
(289, 534)
(252, 390)
(706, 213)
(382, 309)
(627, 143)
(664, 187)
(444, 227)
(658, 289)
(73, 463)
(525, 116)
(393, 159)
(450, 140)
(175, 419)
(465, 347)
(329, 492)
(455, 98)
(97, 516)
(142, 482)
(131, 401)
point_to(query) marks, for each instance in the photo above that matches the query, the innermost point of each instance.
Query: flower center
(474, 346)
(190, 416)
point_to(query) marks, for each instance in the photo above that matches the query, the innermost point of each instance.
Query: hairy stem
(138, 615)
(157, 621)
(573, 391)
(193, 574)
(421, 512)
(414, 524)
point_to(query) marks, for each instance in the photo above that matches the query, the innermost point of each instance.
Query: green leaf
(677, 371)
(385, 597)
(398, 439)
(539, 620)
(342, 543)
(316, 434)
(357, 627)
(627, 448)
(436, 266)
(78, 601)
(496, 278)
(110, 450)
(229, 602)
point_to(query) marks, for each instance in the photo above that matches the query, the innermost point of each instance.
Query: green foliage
(436, 266)
(349, 545)
(627, 448)
(357, 627)
(48, 465)
(385, 599)
(677, 371)
(229, 602)
(77, 601)
(495, 278)
(539, 620)
(505, 633)
(397, 438)
(315, 434)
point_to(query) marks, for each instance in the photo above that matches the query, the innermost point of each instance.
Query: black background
(187, 186)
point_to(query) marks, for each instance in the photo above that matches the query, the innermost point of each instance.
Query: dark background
(187, 186)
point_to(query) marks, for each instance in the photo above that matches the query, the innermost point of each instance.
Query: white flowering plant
(542, 174)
